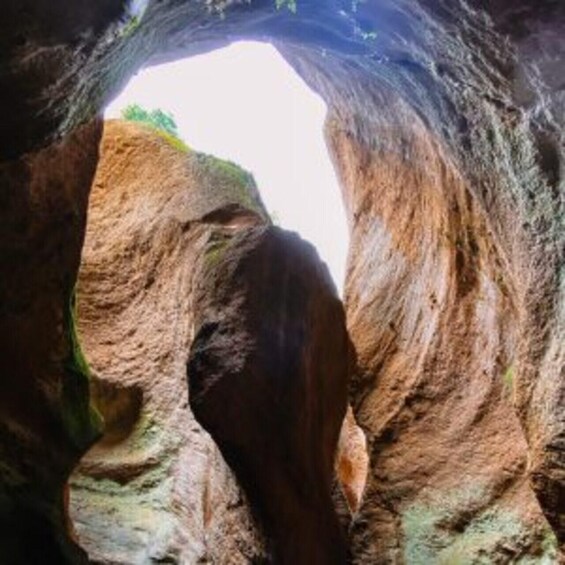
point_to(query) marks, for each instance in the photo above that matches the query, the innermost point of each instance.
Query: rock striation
(446, 125)
(154, 488)
(435, 385)
(268, 376)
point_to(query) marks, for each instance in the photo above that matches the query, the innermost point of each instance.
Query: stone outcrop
(436, 340)
(155, 487)
(46, 423)
(446, 124)
(268, 379)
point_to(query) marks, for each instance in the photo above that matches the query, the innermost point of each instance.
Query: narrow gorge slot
(169, 182)
(445, 125)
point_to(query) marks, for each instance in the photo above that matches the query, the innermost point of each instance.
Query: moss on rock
(233, 180)
(81, 420)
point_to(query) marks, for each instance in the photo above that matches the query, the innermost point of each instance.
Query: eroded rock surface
(268, 379)
(433, 319)
(447, 125)
(155, 488)
(45, 419)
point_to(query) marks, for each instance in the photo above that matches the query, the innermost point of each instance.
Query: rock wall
(45, 420)
(434, 318)
(452, 113)
(268, 375)
(155, 487)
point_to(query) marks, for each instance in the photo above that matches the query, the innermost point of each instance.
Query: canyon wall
(268, 375)
(446, 126)
(46, 422)
(179, 248)
(155, 487)
(433, 316)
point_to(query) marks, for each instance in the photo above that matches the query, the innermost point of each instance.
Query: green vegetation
(130, 27)
(289, 4)
(229, 178)
(508, 377)
(82, 422)
(549, 548)
(215, 248)
(230, 171)
(451, 528)
(176, 142)
(162, 122)
(218, 175)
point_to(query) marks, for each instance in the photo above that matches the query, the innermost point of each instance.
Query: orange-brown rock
(268, 379)
(433, 314)
(351, 461)
(155, 488)
(447, 126)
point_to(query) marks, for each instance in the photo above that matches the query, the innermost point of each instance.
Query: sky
(246, 104)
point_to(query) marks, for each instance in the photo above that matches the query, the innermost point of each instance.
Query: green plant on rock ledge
(162, 122)
(508, 378)
(289, 4)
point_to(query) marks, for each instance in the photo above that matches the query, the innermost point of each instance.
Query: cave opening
(241, 106)
(441, 120)
(244, 103)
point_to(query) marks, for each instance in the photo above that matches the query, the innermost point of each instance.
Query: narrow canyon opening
(445, 125)
(228, 139)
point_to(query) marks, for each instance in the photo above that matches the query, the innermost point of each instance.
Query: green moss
(216, 248)
(81, 421)
(174, 141)
(452, 530)
(289, 4)
(549, 547)
(508, 378)
(129, 27)
(235, 181)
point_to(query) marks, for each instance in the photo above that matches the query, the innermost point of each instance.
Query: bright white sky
(246, 104)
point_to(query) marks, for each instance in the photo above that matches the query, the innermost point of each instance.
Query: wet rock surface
(268, 379)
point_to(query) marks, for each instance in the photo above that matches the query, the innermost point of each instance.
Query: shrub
(163, 122)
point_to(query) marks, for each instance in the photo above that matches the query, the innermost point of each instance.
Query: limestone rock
(268, 378)
(155, 488)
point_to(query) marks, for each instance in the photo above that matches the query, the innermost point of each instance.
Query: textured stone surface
(268, 376)
(474, 90)
(433, 319)
(45, 420)
(351, 462)
(155, 488)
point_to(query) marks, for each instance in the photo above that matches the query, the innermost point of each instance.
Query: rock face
(45, 420)
(155, 488)
(351, 463)
(446, 123)
(433, 319)
(268, 379)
